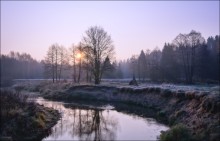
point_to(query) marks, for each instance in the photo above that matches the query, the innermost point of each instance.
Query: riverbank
(24, 120)
(197, 110)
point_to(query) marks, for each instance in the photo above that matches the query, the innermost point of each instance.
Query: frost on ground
(123, 83)
(196, 106)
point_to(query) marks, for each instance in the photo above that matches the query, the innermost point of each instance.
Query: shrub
(9, 99)
(161, 113)
(145, 89)
(39, 123)
(180, 113)
(40, 115)
(179, 94)
(178, 132)
(115, 93)
(13, 113)
(130, 90)
(157, 90)
(122, 89)
(19, 88)
(172, 120)
(46, 92)
(200, 95)
(166, 93)
(150, 90)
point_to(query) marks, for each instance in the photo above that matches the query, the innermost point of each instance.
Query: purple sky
(32, 27)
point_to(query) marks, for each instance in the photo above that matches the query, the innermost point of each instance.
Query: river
(105, 122)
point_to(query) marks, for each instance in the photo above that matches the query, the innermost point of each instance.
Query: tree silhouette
(187, 44)
(100, 46)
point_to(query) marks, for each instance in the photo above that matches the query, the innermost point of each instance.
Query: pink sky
(32, 27)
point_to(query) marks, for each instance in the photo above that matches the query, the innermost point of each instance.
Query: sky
(32, 26)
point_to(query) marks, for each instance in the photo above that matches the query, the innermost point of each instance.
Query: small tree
(142, 64)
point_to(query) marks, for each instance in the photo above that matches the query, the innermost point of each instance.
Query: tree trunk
(87, 75)
(74, 70)
(139, 75)
(60, 71)
(87, 71)
(97, 72)
(53, 72)
(56, 65)
(97, 81)
(79, 70)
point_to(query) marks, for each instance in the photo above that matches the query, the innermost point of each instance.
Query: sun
(78, 55)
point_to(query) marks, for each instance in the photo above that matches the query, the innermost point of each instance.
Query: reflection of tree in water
(100, 127)
(92, 125)
(86, 124)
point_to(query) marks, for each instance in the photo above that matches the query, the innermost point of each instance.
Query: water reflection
(81, 122)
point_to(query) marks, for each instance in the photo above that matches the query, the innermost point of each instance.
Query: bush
(46, 92)
(179, 94)
(11, 99)
(166, 93)
(178, 132)
(172, 120)
(157, 90)
(190, 94)
(161, 113)
(180, 113)
(150, 90)
(38, 122)
(115, 93)
(41, 116)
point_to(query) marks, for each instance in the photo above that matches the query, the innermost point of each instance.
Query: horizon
(28, 27)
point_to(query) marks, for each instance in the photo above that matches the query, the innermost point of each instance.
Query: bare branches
(89, 54)
(99, 46)
(187, 44)
(54, 61)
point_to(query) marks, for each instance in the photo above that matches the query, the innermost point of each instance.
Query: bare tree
(100, 46)
(63, 59)
(50, 62)
(54, 62)
(73, 57)
(86, 63)
(187, 44)
(79, 56)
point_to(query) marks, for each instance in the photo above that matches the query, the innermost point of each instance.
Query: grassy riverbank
(197, 109)
(23, 120)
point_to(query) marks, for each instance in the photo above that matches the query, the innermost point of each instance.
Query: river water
(88, 122)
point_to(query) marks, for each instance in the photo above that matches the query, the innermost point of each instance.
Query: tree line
(189, 58)
(17, 65)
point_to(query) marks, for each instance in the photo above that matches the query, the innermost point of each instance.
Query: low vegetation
(22, 120)
(196, 108)
(178, 132)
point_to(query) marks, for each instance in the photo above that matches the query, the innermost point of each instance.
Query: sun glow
(78, 55)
